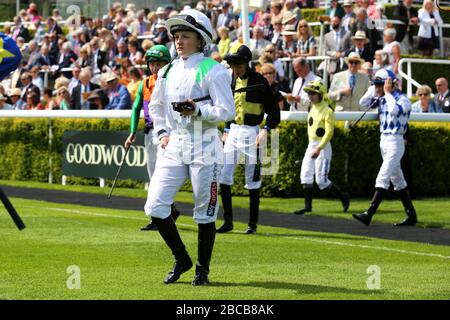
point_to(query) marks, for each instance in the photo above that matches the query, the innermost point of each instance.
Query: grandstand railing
(408, 75)
(126, 114)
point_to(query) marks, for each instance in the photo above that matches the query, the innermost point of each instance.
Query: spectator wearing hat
(161, 14)
(349, 17)
(161, 34)
(425, 104)
(17, 102)
(3, 104)
(361, 46)
(98, 99)
(289, 18)
(292, 7)
(442, 97)
(363, 23)
(119, 97)
(224, 19)
(337, 42)
(80, 94)
(288, 46)
(406, 13)
(348, 87)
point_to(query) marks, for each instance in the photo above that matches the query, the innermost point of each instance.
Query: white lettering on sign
(96, 154)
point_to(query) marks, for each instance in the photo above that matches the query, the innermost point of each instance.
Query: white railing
(408, 75)
(126, 114)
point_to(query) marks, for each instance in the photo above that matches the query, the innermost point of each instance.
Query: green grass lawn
(432, 212)
(119, 262)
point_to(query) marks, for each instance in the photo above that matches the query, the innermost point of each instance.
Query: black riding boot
(174, 212)
(227, 205)
(254, 211)
(366, 217)
(308, 191)
(169, 233)
(345, 198)
(411, 220)
(152, 226)
(206, 237)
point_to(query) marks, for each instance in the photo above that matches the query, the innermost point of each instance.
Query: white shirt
(297, 90)
(181, 85)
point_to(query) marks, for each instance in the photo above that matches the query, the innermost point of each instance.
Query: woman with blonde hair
(425, 103)
(306, 44)
(225, 41)
(429, 20)
(270, 73)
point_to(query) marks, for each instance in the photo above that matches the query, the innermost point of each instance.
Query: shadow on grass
(300, 288)
(299, 235)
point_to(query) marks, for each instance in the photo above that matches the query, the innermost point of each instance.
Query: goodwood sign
(95, 154)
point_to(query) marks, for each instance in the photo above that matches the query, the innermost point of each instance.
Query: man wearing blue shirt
(394, 109)
(119, 97)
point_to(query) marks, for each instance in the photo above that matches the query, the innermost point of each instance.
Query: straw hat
(15, 92)
(288, 16)
(110, 77)
(160, 10)
(289, 30)
(360, 35)
(354, 56)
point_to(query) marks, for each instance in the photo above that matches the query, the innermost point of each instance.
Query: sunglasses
(353, 62)
(270, 51)
(268, 73)
(423, 94)
(62, 92)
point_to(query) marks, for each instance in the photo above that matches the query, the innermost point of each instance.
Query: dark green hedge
(24, 152)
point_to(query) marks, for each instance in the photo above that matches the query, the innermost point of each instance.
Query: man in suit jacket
(224, 19)
(337, 42)
(80, 94)
(98, 56)
(44, 58)
(27, 86)
(34, 54)
(442, 97)
(119, 97)
(348, 86)
(66, 58)
(406, 13)
(20, 30)
(53, 27)
(361, 46)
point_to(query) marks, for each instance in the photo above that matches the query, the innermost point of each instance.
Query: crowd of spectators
(97, 63)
